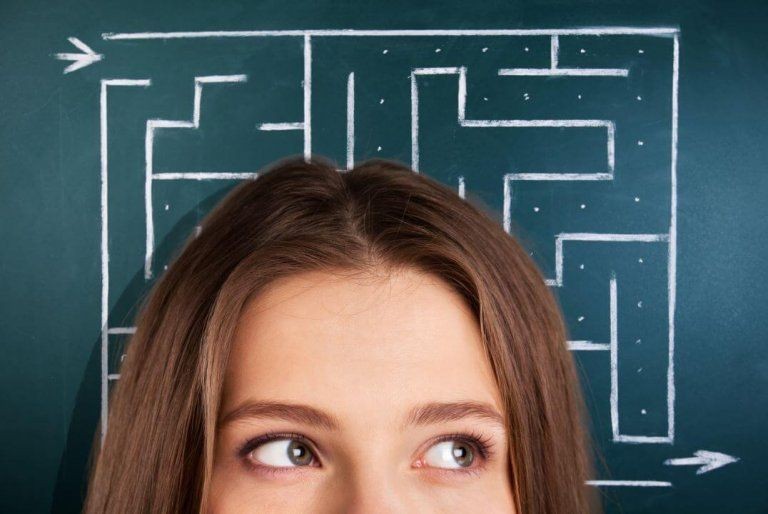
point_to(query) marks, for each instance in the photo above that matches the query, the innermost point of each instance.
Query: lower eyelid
(275, 470)
(447, 474)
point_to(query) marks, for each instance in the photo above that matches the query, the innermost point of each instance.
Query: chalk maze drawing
(584, 92)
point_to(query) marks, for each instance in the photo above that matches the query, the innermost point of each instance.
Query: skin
(364, 351)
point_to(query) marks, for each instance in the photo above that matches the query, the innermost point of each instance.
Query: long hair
(304, 214)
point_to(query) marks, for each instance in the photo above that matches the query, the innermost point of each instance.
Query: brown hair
(305, 214)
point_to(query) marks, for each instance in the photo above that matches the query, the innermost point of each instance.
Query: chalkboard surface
(624, 143)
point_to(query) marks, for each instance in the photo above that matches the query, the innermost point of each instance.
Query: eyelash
(481, 444)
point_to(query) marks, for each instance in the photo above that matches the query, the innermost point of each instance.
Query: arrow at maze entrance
(79, 60)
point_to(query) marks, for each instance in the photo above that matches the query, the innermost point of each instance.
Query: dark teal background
(50, 221)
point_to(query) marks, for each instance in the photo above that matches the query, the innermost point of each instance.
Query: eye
(451, 454)
(282, 453)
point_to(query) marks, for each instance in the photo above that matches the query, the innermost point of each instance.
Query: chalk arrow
(79, 60)
(707, 460)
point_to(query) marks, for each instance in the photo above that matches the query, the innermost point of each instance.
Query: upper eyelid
(483, 445)
(258, 441)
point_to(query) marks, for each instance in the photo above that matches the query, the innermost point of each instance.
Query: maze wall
(570, 135)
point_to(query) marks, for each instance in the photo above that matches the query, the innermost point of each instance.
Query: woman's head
(398, 349)
(380, 392)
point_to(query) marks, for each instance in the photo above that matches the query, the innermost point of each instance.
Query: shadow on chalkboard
(84, 429)
(69, 491)
(83, 434)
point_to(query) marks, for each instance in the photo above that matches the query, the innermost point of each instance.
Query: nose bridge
(375, 481)
(378, 487)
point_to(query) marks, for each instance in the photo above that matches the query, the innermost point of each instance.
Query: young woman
(356, 341)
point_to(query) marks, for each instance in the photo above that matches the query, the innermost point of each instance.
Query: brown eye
(283, 453)
(450, 454)
(299, 453)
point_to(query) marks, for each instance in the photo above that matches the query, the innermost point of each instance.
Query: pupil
(298, 453)
(463, 455)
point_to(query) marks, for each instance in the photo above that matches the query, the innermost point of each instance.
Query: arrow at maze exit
(706, 459)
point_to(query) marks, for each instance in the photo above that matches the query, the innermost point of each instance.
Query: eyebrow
(286, 411)
(441, 412)
(420, 415)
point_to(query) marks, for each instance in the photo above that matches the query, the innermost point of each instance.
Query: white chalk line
(588, 346)
(585, 31)
(307, 96)
(293, 125)
(614, 349)
(558, 176)
(351, 120)
(122, 330)
(629, 483)
(104, 172)
(554, 51)
(672, 258)
(205, 175)
(414, 123)
(564, 72)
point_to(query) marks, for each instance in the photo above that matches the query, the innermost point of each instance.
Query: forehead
(335, 341)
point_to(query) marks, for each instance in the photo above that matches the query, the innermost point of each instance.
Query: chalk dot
(640, 143)
(641, 51)
(165, 266)
(639, 370)
(437, 50)
(167, 207)
(381, 101)
(640, 260)
(583, 206)
(638, 341)
(637, 199)
(536, 209)
(643, 411)
(581, 318)
(526, 48)
(485, 98)
(378, 149)
(526, 96)
(385, 51)
(583, 51)
(581, 266)
(485, 49)
(639, 98)
(579, 96)
(640, 304)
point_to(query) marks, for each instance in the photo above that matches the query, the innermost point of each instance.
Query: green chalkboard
(622, 142)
